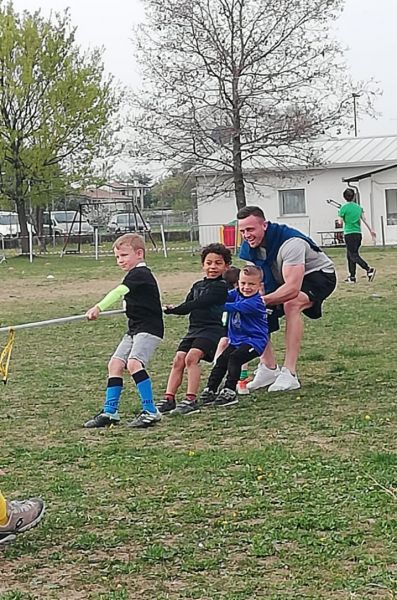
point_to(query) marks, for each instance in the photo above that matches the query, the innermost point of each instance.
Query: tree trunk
(38, 222)
(238, 177)
(21, 209)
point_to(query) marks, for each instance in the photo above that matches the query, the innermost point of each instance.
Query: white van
(127, 223)
(62, 220)
(9, 224)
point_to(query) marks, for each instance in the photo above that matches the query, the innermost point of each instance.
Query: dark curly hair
(217, 249)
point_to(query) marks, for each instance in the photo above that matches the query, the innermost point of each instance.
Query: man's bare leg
(268, 357)
(294, 329)
(287, 379)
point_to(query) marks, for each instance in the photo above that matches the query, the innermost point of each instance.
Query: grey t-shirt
(297, 251)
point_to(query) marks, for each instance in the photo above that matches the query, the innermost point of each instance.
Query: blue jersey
(247, 323)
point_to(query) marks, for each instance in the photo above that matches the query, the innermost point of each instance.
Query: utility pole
(355, 96)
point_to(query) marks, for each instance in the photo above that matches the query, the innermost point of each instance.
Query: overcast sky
(367, 27)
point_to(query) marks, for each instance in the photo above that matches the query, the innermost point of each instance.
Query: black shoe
(371, 274)
(350, 280)
(145, 419)
(226, 397)
(102, 420)
(185, 407)
(166, 405)
(207, 397)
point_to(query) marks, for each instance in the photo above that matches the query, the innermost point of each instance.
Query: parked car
(62, 220)
(127, 223)
(9, 224)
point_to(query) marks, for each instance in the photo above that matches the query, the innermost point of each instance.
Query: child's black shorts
(317, 286)
(208, 347)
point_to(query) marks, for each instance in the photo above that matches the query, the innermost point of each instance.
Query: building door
(390, 223)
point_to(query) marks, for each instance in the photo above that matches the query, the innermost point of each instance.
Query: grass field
(289, 496)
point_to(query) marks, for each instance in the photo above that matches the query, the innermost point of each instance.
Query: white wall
(319, 185)
(372, 190)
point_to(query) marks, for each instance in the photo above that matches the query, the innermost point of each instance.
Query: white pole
(30, 230)
(60, 321)
(3, 256)
(96, 238)
(163, 241)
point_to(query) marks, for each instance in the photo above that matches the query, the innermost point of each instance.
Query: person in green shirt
(350, 216)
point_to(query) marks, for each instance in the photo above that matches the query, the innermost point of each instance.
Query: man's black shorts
(317, 286)
(208, 347)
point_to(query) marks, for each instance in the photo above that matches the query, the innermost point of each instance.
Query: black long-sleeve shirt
(143, 305)
(204, 303)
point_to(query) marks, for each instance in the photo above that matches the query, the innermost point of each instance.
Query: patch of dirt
(51, 289)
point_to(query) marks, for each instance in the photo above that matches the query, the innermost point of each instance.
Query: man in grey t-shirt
(298, 277)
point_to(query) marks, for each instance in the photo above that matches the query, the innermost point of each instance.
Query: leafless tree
(233, 85)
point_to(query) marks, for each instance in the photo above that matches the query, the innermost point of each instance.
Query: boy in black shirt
(204, 303)
(145, 332)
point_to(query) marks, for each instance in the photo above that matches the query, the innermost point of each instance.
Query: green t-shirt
(351, 214)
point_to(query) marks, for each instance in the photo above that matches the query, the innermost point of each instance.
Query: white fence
(175, 238)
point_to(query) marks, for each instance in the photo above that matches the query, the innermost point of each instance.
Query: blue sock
(144, 386)
(113, 393)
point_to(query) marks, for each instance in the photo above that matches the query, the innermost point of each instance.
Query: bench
(332, 237)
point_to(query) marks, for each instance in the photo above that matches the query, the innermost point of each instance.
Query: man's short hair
(349, 194)
(248, 211)
(217, 249)
(252, 270)
(132, 240)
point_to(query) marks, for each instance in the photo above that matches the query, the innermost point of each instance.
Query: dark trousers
(353, 243)
(229, 363)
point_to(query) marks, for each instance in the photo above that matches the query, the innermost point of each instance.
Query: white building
(299, 197)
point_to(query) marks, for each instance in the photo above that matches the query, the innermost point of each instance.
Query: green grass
(289, 496)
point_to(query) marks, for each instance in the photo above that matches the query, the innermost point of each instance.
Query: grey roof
(367, 152)
(369, 173)
(380, 150)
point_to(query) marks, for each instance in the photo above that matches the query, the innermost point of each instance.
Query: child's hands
(92, 313)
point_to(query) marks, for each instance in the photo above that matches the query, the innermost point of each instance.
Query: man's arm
(293, 276)
(340, 216)
(364, 220)
(113, 296)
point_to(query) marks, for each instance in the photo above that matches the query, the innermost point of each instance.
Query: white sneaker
(263, 377)
(285, 381)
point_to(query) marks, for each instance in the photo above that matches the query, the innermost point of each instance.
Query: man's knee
(297, 305)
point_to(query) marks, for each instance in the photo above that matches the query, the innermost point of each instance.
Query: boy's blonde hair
(252, 270)
(133, 240)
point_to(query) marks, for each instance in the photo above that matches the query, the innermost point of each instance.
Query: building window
(391, 207)
(292, 202)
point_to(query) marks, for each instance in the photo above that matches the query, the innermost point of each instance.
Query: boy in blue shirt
(248, 336)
